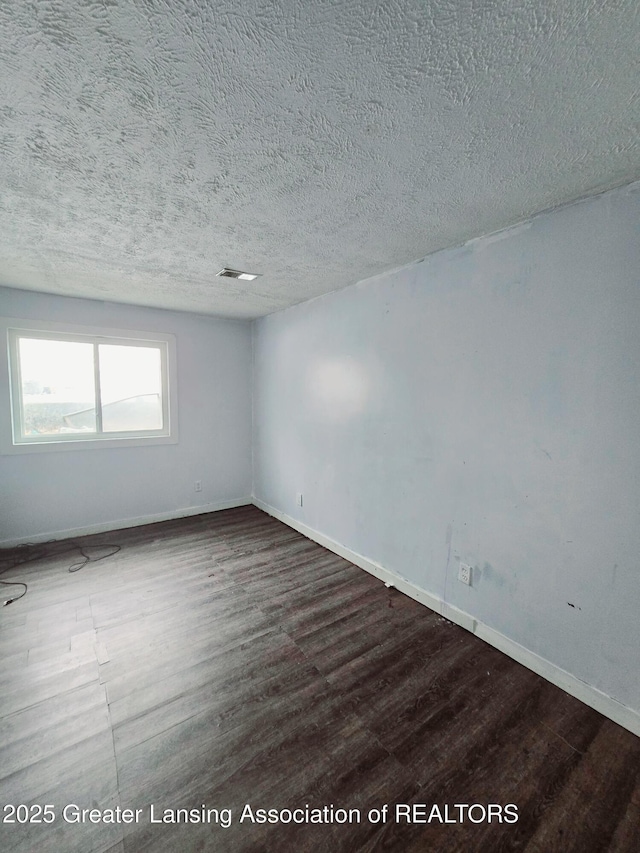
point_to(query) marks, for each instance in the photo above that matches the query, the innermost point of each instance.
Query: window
(79, 389)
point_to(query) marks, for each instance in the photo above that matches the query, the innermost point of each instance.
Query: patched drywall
(61, 490)
(481, 406)
(143, 146)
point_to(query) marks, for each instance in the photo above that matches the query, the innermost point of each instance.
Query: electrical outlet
(299, 498)
(197, 486)
(464, 574)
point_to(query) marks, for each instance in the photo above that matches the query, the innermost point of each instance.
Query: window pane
(58, 394)
(130, 388)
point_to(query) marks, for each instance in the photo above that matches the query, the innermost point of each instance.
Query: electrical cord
(17, 597)
(31, 552)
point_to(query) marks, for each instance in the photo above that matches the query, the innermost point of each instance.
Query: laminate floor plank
(33, 780)
(34, 725)
(158, 655)
(463, 726)
(609, 773)
(422, 689)
(226, 707)
(56, 660)
(27, 692)
(348, 632)
(58, 632)
(29, 749)
(279, 765)
(319, 606)
(163, 610)
(199, 613)
(196, 758)
(364, 668)
(11, 664)
(517, 759)
(271, 590)
(627, 833)
(239, 670)
(226, 660)
(87, 784)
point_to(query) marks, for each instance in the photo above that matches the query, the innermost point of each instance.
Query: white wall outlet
(299, 498)
(197, 486)
(464, 574)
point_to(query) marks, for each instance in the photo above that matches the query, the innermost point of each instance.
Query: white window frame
(12, 439)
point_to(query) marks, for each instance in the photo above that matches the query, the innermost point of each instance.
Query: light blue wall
(61, 490)
(482, 405)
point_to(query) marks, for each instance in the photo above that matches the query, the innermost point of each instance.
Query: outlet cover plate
(464, 574)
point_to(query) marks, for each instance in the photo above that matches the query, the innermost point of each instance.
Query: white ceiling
(145, 145)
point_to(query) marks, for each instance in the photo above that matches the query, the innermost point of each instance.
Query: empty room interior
(319, 421)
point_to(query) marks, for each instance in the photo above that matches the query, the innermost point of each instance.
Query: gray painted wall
(65, 490)
(482, 405)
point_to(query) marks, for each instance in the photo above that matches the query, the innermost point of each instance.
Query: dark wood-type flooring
(227, 660)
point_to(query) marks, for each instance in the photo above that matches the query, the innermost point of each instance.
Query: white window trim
(11, 329)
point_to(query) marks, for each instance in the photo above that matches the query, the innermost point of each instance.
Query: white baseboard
(596, 699)
(120, 524)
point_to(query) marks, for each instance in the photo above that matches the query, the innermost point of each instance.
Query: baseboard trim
(626, 717)
(122, 523)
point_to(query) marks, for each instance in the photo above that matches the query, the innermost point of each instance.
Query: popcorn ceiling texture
(144, 145)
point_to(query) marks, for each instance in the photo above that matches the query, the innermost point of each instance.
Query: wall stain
(490, 574)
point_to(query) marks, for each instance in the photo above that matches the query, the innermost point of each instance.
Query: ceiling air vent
(245, 276)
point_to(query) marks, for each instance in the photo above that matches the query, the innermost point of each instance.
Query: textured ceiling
(144, 145)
